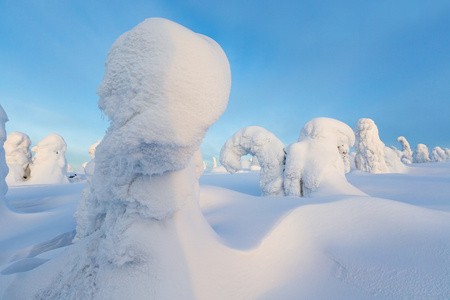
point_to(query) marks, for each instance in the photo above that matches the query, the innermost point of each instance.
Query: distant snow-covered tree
(317, 158)
(406, 150)
(18, 157)
(49, 163)
(255, 166)
(421, 154)
(214, 162)
(269, 150)
(370, 150)
(437, 154)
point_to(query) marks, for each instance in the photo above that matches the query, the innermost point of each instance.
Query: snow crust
(406, 150)
(49, 164)
(264, 145)
(421, 154)
(18, 157)
(316, 159)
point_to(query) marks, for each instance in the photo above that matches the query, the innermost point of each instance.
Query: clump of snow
(69, 168)
(343, 151)
(199, 163)
(49, 162)
(437, 154)
(3, 165)
(316, 160)
(214, 162)
(370, 150)
(421, 154)
(18, 157)
(406, 150)
(269, 150)
(447, 152)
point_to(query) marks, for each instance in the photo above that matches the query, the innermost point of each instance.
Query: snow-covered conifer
(214, 162)
(437, 154)
(316, 159)
(421, 154)
(164, 86)
(245, 163)
(370, 150)
(49, 163)
(406, 150)
(269, 150)
(18, 157)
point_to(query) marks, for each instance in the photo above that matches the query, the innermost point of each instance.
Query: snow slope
(393, 244)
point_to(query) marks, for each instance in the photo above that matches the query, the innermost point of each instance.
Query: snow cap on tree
(437, 154)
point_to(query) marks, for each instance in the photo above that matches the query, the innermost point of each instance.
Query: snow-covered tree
(49, 162)
(214, 162)
(269, 150)
(18, 157)
(164, 86)
(370, 150)
(437, 154)
(421, 154)
(316, 158)
(406, 150)
(447, 152)
(343, 151)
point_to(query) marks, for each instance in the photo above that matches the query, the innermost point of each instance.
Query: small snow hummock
(49, 162)
(316, 159)
(438, 155)
(406, 150)
(421, 154)
(18, 157)
(370, 150)
(262, 144)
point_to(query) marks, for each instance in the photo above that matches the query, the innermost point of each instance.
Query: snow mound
(406, 150)
(370, 150)
(438, 155)
(421, 154)
(316, 159)
(262, 144)
(49, 163)
(18, 157)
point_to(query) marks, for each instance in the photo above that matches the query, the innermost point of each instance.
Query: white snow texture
(317, 159)
(49, 162)
(438, 155)
(269, 151)
(18, 157)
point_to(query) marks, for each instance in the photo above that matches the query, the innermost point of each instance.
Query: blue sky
(291, 61)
